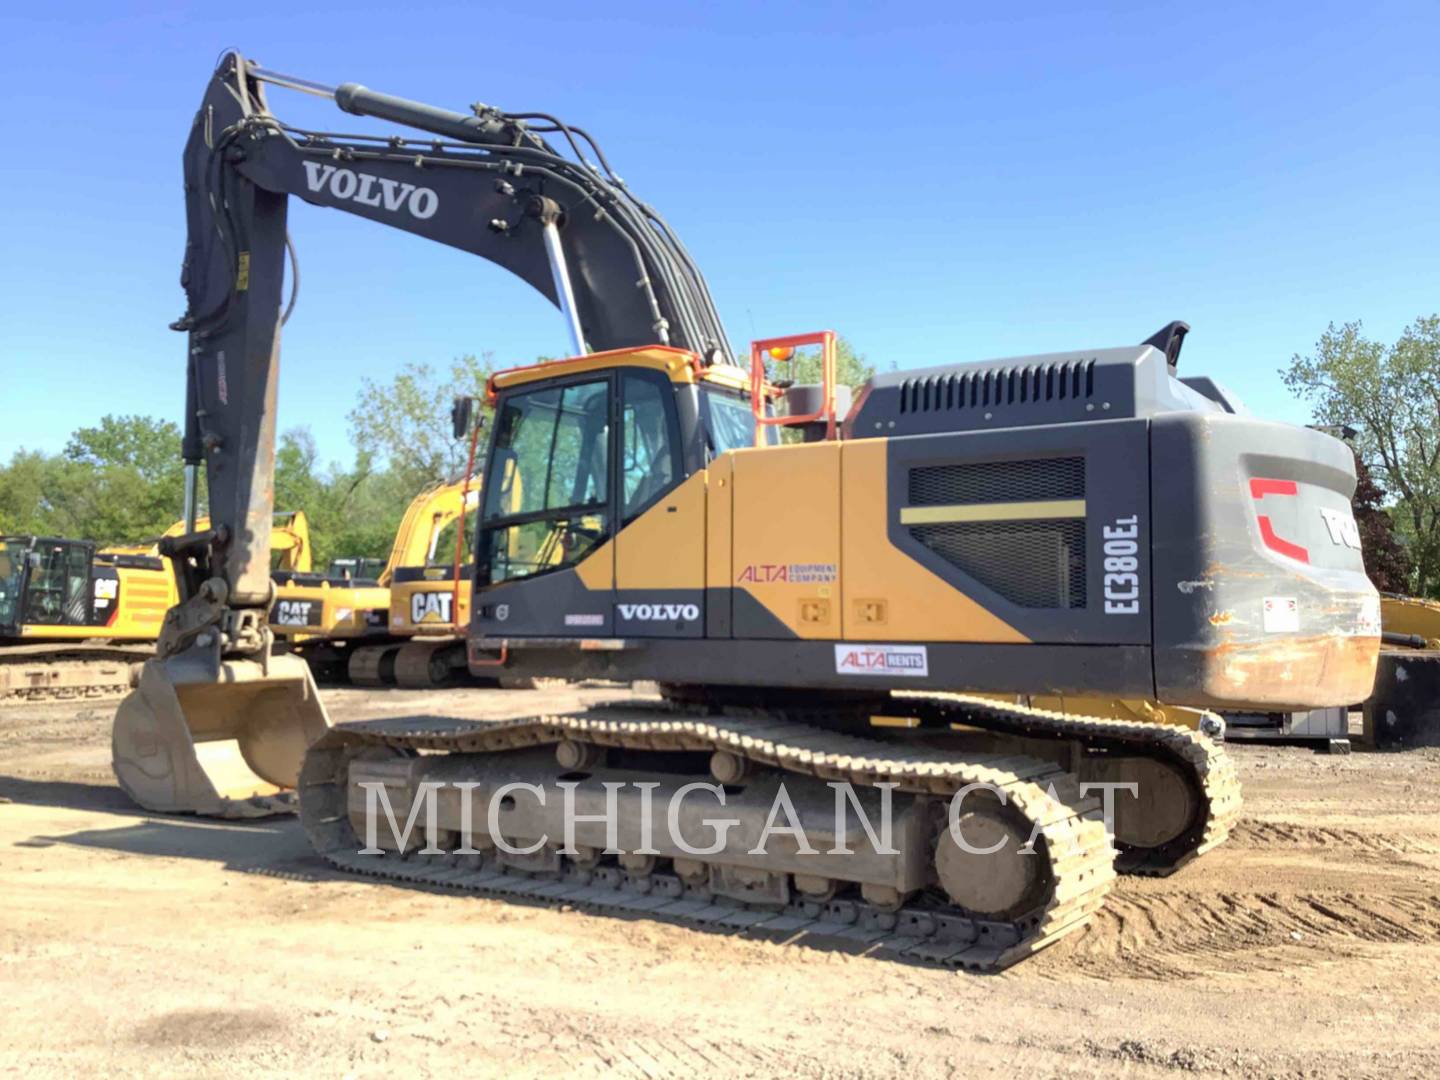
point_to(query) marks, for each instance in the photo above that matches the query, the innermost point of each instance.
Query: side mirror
(34, 559)
(461, 413)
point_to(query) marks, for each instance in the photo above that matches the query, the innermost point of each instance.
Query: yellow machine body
(309, 609)
(426, 598)
(1412, 616)
(74, 620)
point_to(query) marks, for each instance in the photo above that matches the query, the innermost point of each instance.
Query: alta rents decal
(368, 190)
(658, 612)
(882, 660)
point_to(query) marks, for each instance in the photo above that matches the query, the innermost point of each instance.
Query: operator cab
(582, 447)
(355, 570)
(44, 582)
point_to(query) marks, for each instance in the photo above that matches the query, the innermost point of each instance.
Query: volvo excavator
(861, 604)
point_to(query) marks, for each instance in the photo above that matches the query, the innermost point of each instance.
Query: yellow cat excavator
(429, 596)
(74, 620)
(1403, 711)
(820, 611)
(405, 626)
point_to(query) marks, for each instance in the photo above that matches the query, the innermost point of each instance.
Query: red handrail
(758, 387)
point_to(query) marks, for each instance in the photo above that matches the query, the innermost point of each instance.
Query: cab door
(660, 545)
(544, 567)
(58, 587)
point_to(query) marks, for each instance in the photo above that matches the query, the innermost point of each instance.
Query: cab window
(729, 422)
(546, 490)
(648, 466)
(58, 590)
(443, 551)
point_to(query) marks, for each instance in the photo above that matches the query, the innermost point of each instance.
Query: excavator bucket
(185, 741)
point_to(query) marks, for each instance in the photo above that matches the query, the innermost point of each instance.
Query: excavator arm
(428, 514)
(487, 182)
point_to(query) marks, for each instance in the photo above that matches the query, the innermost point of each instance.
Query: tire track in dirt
(661, 1056)
(1265, 834)
(1193, 934)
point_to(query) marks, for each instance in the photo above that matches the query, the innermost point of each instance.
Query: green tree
(133, 485)
(352, 511)
(148, 445)
(405, 424)
(119, 481)
(1386, 560)
(1391, 395)
(35, 494)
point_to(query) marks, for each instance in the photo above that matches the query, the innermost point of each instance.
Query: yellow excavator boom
(289, 539)
(1412, 617)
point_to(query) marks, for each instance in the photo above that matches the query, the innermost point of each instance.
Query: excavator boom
(491, 184)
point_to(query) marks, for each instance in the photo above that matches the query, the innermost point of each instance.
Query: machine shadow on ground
(273, 846)
(276, 847)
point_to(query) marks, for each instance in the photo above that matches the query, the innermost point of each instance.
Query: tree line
(1385, 399)
(122, 481)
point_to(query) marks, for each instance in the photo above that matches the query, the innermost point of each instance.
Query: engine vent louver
(1035, 563)
(1070, 381)
(998, 481)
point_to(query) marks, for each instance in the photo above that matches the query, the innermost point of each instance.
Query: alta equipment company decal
(790, 573)
(882, 660)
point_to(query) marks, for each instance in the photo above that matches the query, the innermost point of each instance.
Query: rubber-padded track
(1080, 858)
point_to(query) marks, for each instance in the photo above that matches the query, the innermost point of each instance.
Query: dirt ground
(1309, 945)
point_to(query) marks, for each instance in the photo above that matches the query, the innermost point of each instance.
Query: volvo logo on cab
(368, 190)
(658, 612)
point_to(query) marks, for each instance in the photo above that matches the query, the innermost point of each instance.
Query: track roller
(372, 665)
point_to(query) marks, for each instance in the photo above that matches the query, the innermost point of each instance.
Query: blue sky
(938, 182)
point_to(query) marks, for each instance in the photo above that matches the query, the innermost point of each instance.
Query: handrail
(758, 387)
